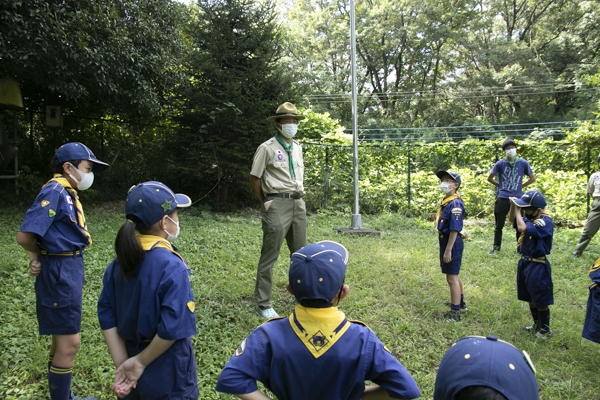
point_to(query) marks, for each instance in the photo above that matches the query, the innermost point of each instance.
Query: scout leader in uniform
(277, 179)
(55, 235)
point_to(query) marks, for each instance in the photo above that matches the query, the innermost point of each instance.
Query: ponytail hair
(129, 251)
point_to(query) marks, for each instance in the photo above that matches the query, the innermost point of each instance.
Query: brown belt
(539, 260)
(63, 254)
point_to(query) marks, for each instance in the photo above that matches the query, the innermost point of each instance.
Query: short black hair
(57, 168)
(508, 142)
(479, 392)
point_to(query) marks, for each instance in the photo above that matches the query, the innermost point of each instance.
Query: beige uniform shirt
(593, 187)
(271, 165)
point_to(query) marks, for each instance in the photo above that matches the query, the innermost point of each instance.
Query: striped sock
(59, 382)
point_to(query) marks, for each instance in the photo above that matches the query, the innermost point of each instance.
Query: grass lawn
(396, 287)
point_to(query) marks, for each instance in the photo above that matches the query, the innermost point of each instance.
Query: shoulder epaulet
(355, 321)
(270, 141)
(276, 318)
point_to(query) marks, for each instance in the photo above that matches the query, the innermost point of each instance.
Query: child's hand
(447, 256)
(463, 235)
(35, 267)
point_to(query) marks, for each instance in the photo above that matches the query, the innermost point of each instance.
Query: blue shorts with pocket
(453, 267)
(58, 290)
(534, 283)
(591, 326)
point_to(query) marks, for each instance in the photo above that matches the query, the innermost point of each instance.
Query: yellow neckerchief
(149, 242)
(61, 180)
(318, 328)
(443, 204)
(595, 266)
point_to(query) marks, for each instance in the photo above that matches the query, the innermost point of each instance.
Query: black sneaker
(452, 316)
(463, 306)
(494, 250)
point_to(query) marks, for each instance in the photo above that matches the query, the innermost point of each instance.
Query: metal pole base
(356, 221)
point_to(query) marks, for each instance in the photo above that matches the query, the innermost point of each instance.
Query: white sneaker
(268, 313)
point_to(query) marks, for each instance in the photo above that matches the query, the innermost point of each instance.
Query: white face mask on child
(87, 179)
(171, 238)
(445, 187)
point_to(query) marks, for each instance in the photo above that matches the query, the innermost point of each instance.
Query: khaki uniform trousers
(284, 219)
(592, 224)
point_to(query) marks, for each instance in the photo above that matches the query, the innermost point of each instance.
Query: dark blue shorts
(453, 267)
(58, 290)
(534, 283)
(591, 325)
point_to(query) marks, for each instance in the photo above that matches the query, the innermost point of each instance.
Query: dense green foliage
(396, 287)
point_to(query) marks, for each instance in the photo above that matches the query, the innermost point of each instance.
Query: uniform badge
(279, 155)
(318, 340)
(191, 306)
(240, 350)
(166, 206)
(69, 199)
(44, 203)
(51, 213)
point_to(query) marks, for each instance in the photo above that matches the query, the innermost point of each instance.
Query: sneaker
(494, 250)
(463, 306)
(544, 335)
(452, 316)
(268, 313)
(575, 255)
(531, 328)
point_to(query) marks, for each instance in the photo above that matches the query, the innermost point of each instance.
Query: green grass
(396, 287)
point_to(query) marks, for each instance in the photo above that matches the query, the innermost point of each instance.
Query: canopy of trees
(181, 93)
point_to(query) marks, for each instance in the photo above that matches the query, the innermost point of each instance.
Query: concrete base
(359, 231)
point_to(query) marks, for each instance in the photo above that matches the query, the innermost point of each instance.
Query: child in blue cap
(146, 309)
(316, 353)
(55, 235)
(534, 275)
(449, 224)
(591, 325)
(479, 367)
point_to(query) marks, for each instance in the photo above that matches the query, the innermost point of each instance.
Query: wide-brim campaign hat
(286, 110)
(151, 201)
(531, 198)
(486, 361)
(78, 151)
(453, 175)
(317, 271)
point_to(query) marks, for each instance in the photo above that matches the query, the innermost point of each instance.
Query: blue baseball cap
(317, 271)
(150, 201)
(531, 198)
(486, 361)
(453, 175)
(78, 151)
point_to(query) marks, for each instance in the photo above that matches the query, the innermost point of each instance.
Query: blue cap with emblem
(78, 151)
(489, 362)
(531, 198)
(453, 175)
(150, 201)
(317, 271)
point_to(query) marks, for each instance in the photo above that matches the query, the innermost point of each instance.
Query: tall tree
(235, 83)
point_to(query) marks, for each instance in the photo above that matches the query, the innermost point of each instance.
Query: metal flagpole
(356, 219)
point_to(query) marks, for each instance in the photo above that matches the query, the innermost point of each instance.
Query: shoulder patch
(191, 306)
(457, 211)
(44, 203)
(51, 213)
(241, 348)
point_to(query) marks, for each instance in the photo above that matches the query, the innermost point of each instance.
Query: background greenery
(396, 287)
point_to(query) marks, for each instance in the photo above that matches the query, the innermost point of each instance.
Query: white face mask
(171, 238)
(511, 152)
(445, 187)
(289, 130)
(87, 178)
